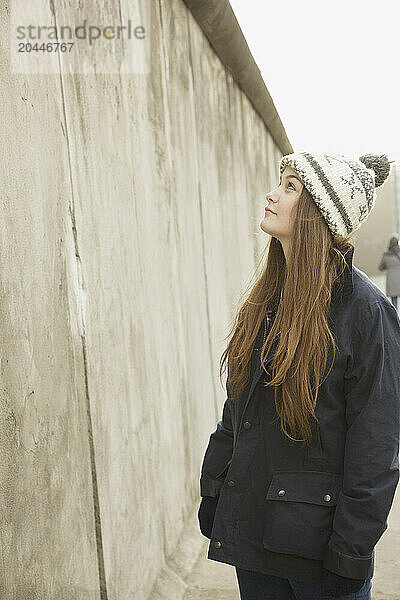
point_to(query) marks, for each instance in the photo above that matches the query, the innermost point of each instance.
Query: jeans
(259, 586)
(394, 301)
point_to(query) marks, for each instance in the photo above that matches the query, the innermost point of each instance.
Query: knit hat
(342, 188)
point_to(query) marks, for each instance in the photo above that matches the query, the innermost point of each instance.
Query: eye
(288, 183)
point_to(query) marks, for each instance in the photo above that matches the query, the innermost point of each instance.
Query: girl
(299, 476)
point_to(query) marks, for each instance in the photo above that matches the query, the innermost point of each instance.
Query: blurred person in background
(390, 262)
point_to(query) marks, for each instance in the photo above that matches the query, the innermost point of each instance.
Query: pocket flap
(315, 487)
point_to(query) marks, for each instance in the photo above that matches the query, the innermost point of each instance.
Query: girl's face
(283, 202)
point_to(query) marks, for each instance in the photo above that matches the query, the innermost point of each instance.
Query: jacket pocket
(224, 472)
(299, 511)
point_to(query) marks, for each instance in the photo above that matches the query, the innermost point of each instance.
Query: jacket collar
(343, 286)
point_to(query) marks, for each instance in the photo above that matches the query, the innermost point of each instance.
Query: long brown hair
(306, 280)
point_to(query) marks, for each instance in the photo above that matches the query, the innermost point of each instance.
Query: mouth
(269, 210)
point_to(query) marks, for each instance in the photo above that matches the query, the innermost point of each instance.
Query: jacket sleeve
(218, 454)
(371, 460)
(382, 264)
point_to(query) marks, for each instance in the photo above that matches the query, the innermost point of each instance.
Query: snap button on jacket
(283, 509)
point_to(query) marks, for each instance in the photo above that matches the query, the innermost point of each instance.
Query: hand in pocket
(206, 514)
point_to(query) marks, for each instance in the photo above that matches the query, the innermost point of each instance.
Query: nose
(270, 203)
(269, 198)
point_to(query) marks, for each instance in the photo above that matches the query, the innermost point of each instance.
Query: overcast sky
(332, 69)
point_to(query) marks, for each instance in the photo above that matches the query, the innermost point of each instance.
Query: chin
(264, 226)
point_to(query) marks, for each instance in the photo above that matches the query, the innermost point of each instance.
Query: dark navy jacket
(323, 506)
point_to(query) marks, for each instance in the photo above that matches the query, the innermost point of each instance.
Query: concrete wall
(129, 223)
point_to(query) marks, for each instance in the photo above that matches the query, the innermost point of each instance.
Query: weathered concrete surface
(125, 200)
(47, 528)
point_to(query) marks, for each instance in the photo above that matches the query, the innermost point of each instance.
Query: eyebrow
(295, 177)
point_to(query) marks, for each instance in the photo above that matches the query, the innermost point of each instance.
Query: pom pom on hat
(380, 164)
